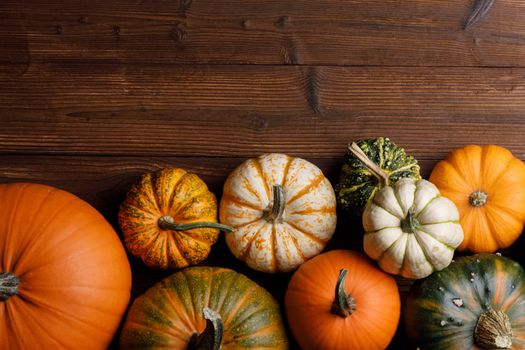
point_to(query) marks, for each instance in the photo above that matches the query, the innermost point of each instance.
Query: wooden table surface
(95, 93)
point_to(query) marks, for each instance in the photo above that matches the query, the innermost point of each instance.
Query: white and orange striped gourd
(283, 210)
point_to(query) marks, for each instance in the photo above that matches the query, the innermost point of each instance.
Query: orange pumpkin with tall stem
(340, 300)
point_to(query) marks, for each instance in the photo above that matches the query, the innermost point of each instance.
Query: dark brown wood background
(94, 93)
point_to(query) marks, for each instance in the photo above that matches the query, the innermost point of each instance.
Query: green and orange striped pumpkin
(204, 308)
(169, 219)
(477, 302)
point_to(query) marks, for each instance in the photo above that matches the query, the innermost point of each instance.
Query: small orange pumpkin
(340, 300)
(169, 219)
(487, 184)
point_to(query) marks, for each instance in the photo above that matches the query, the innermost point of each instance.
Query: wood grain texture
(241, 111)
(327, 32)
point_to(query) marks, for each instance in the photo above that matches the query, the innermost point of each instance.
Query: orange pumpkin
(169, 219)
(64, 276)
(487, 184)
(340, 300)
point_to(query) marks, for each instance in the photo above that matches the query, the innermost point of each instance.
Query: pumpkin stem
(167, 222)
(344, 304)
(493, 330)
(478, 198)
(409, 224)
(275, 210)
(211, 337)
(8, 285)
(379, 173)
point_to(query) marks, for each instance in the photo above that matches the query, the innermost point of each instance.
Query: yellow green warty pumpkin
(370, 165)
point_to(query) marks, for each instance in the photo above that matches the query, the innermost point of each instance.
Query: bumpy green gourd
(370, 165)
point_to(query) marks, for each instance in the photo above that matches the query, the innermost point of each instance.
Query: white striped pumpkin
(283, 210)
(411, 230)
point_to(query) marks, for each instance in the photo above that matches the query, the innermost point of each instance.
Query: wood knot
(290, 52)
(116, 30)
(245, 23)
(283, 21)
(312, 90)
(59, 29)
(83, 20)
(479, 10)
(179, 33)
(185, 5)
(259, 122)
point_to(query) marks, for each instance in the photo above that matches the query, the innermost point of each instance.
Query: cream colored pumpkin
(411, 230)
(283, 210)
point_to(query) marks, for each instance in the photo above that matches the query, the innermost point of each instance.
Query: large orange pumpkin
(169, 219)
(340, 300)
(64, 276)
(487, 184)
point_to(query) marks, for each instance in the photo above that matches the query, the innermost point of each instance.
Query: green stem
(275, 210)
(344, 304)
(8, 285)
(379, 173)
(409, 224)
(167, 222)
(211, 337)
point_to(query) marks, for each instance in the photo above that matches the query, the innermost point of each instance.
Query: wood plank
(328, 32)
(242, 111)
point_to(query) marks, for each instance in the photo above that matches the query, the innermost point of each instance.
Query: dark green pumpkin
(239, 313)
(358, 182)
(478, 302)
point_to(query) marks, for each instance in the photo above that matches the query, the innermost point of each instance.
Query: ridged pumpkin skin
(357, 184)
(75, 278)
(168, 192)
(311, 293)
(277, 244)
(442, 310)
(491, 170)
(411, 229)
(170, 312)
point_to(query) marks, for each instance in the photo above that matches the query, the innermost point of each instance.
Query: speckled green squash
(442, 311)
(171, 312)
(358, 184)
